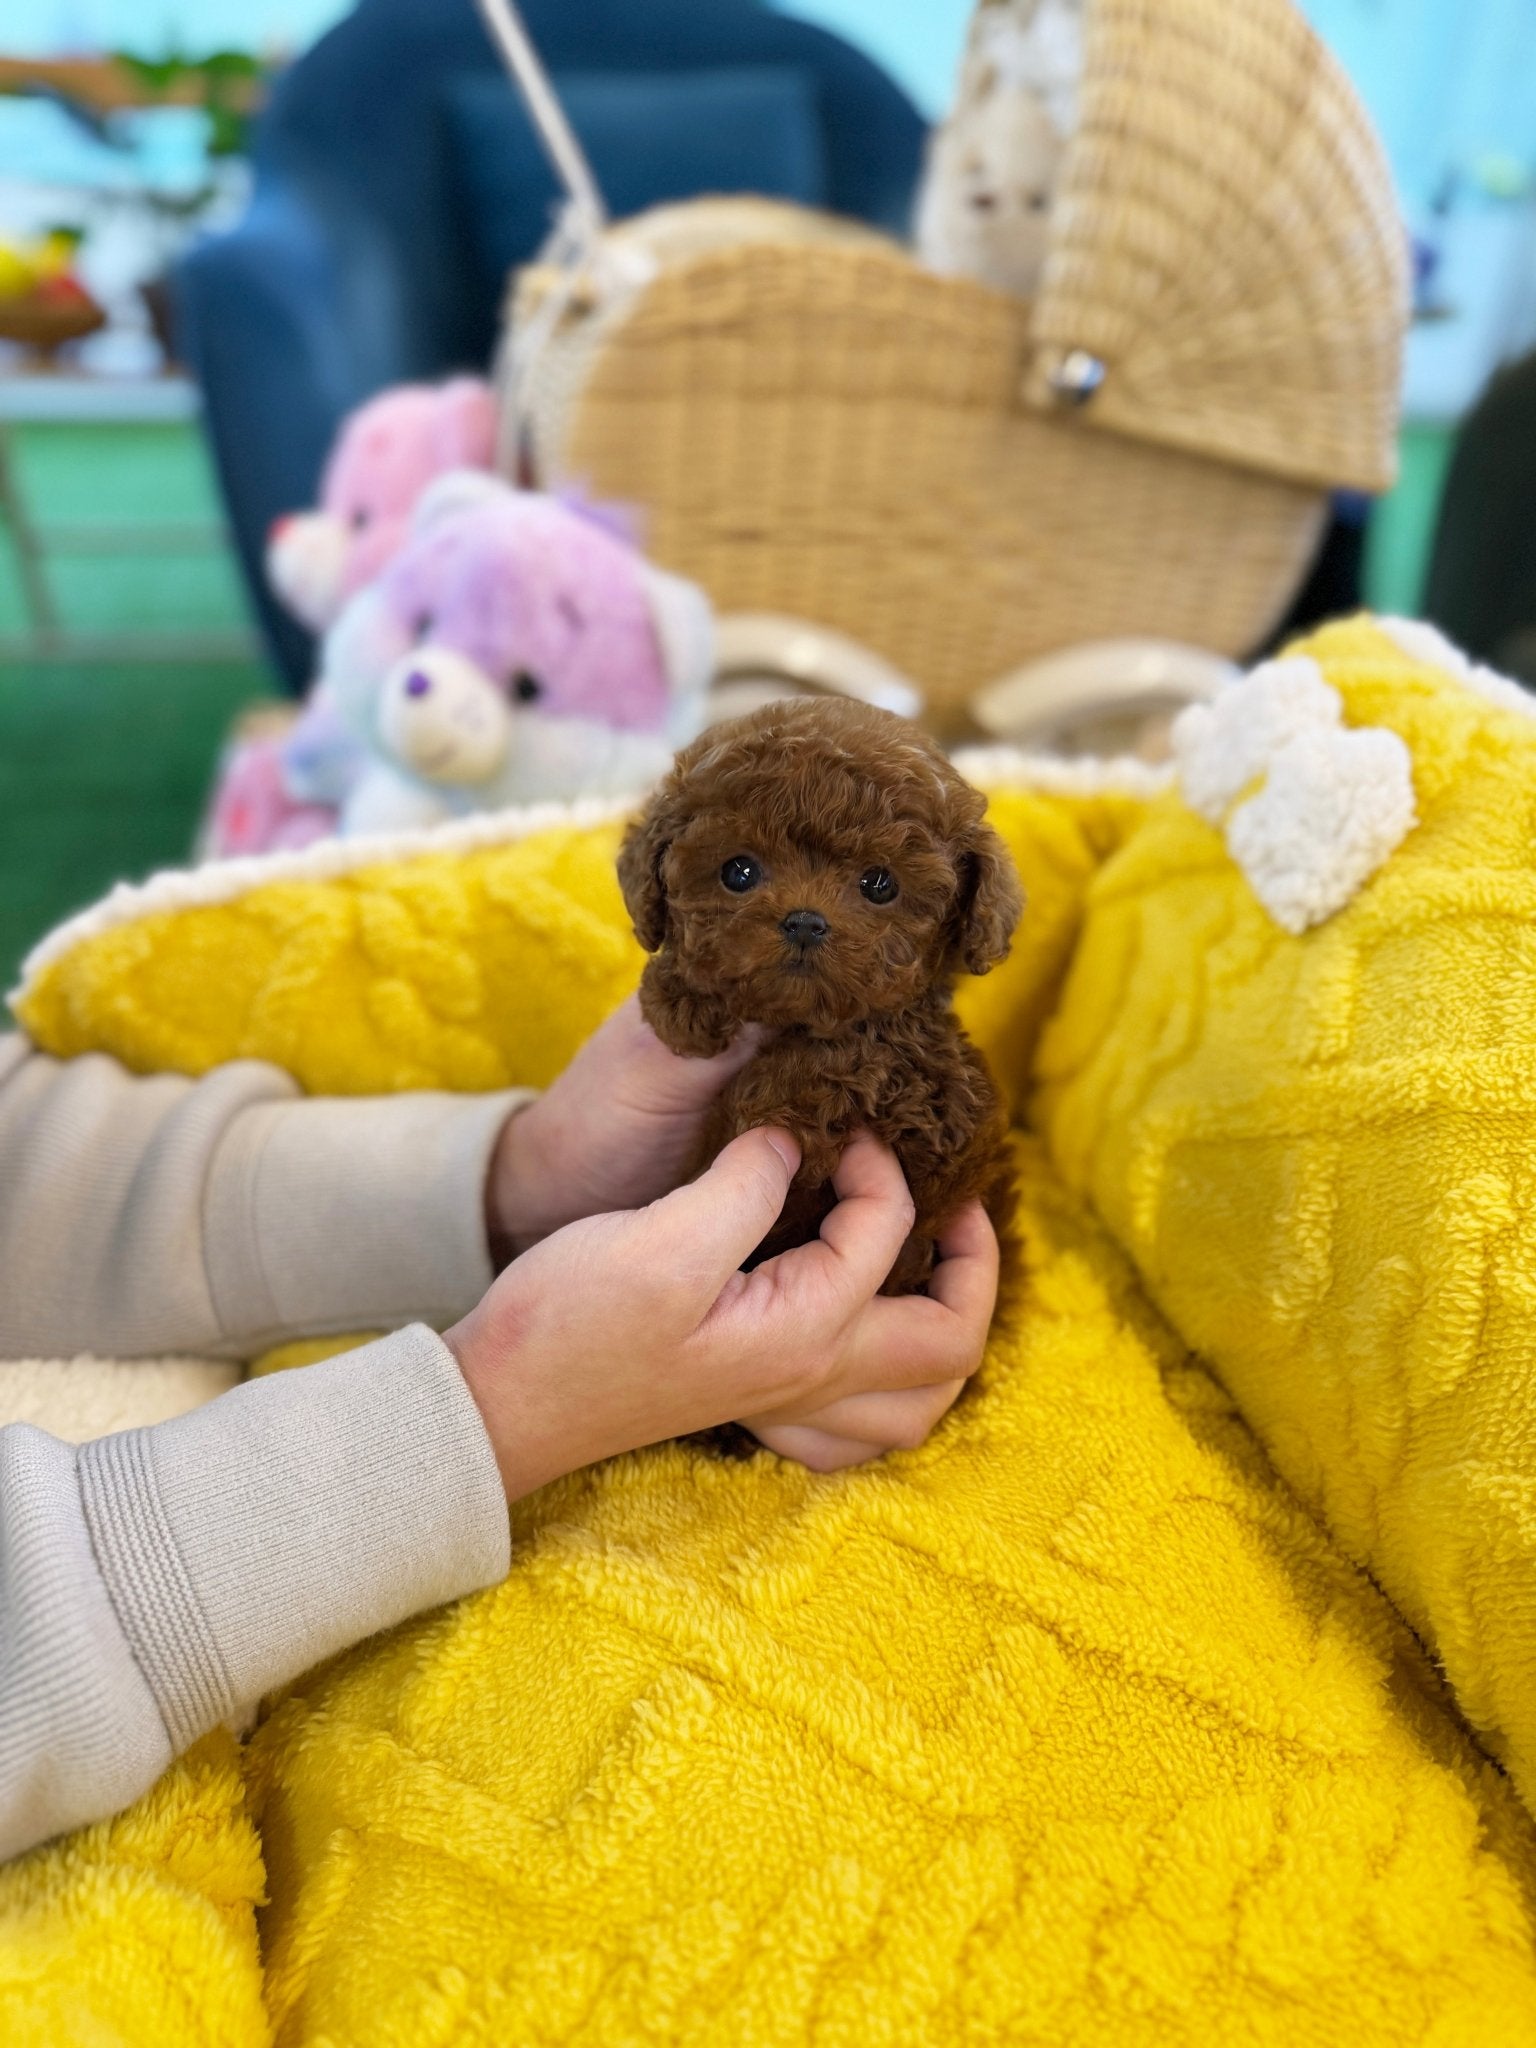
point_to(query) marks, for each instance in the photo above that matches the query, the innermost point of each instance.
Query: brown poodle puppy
(819, 868)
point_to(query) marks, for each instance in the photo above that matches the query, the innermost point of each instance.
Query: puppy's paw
(819, 1154)
(696, 1027)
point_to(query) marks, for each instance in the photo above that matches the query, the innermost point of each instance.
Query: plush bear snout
(442, 717)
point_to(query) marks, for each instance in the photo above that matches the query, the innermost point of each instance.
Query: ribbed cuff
(157, 1609)
(292, 1517)
(81, 1734)
(326, 1215)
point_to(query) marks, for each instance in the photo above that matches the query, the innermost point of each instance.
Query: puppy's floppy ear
(640, 858)
(991, 901)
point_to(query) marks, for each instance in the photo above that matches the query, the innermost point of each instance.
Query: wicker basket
(818, 426)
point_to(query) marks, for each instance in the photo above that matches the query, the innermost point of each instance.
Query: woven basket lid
(1226, 245)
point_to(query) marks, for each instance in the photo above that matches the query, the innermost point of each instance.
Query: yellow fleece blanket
(1321, 1153)
(1074, 1726)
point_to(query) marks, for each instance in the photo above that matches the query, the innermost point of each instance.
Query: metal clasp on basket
(1077, 376)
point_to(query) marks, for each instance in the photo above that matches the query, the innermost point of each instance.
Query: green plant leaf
(153, 75)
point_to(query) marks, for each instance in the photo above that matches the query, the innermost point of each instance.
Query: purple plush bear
(514, 649)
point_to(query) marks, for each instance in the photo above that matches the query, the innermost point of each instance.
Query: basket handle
(578, 228)
(515, 46)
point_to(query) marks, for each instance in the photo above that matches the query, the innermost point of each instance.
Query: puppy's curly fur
(819, 868)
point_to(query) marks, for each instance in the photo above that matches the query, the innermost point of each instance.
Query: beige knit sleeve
(156, 1582)
(141, 1215)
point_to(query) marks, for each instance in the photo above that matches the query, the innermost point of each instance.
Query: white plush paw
(1223, 746)
(1310, 807)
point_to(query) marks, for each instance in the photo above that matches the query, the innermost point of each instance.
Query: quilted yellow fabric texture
(141, 1930)
(1070, 1727)
(474, 969)
(1321, 1154)
(442, 967)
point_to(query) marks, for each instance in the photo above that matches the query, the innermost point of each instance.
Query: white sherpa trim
(1005, 767)
(80, 1398)
(1332, 802)
(1421, 641)
(225, 880)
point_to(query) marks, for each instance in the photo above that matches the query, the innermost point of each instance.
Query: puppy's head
(817, 863)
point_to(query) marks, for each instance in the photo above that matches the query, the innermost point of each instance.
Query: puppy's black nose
(804, 927)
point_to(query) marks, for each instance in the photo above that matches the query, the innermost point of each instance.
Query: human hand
(626, 1329)
(862, 1426)
(618, 1128)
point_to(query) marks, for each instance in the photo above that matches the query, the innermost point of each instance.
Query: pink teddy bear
(386, 454)
(273, 795)
(253, 812)
(514, 650)
(381, 461)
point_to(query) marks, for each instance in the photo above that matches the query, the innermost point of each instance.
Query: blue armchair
(397, 179)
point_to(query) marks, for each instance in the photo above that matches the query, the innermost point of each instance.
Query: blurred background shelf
(29, 394)
(114, 543)
(110, 725)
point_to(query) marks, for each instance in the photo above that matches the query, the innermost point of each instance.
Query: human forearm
(142, 1215)
(153, 1583)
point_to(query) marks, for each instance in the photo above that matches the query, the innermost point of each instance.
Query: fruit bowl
(46, 323)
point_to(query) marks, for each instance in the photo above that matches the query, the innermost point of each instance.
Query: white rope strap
(515, 46)
(574, 246)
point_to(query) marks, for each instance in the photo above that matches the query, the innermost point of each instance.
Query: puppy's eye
(422, 625)
(878, 885)
(359, 520)
(740, 874)
(526, 688)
